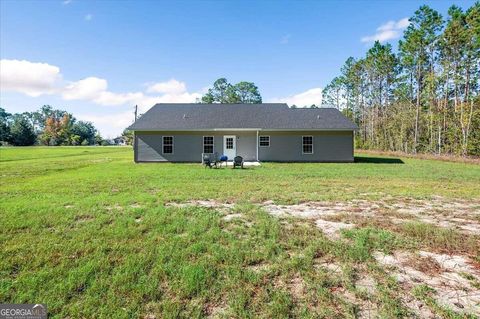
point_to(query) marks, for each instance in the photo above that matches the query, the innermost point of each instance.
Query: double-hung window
(167, 144)
(264, 141)
(307, 144)
(208, 144)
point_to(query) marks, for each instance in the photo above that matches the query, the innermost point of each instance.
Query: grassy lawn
(88, 232)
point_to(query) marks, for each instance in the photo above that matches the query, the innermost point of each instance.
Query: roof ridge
(265, 115)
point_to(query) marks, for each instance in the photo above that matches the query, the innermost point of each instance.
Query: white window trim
(307, 144)
(269, 140)
(163, 144)
(213, 144)
(256, 155)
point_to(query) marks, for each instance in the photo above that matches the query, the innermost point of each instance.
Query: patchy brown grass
(102, 230)
(442, 240)
(426, 264)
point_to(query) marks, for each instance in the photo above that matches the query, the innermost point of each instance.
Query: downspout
(257, 145)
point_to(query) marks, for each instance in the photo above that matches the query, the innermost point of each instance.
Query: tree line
(47, 126)
(225, 92)
(422, 98)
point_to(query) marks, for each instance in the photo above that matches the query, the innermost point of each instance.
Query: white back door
(230, 146)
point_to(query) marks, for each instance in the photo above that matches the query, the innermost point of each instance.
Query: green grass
(85, 230)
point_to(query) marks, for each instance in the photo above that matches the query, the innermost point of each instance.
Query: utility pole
(133, 136)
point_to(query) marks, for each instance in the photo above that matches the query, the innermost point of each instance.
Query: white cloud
(33, 79)
(65, 2)
(88, 17)
(95, 89)
(388, 31)
(86, 89)
(109, 98)
(171, 86)
(110, 125)
(403, 23)
(307, 98)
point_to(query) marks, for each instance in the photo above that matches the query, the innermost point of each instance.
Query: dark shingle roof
(243, 116)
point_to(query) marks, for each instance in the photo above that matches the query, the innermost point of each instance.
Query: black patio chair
(238, 162)
(210, 160)
(207, 161)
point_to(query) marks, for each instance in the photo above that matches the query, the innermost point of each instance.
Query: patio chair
(210, 160)
(238, 161)
(207, 161)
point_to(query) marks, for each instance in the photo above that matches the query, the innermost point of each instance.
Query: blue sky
(97, 59)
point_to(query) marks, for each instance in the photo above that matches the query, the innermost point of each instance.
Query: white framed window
(167, 144)
(208, 144)
(264, 141)
(307, 144)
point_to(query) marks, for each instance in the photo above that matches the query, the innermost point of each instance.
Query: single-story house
(257, 132)
(120, 140)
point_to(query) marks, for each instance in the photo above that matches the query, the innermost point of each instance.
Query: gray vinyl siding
(246, 145)
(334, 146)
(188, 146)
(327, 147)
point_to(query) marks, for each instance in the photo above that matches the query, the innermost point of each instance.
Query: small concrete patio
(230, 164)
(245, 164)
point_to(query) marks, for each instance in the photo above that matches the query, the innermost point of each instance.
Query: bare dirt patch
(224, 207)
(310, 210)
(366, 308)
(320, 212)
(332, 229)
(418, 307)
(229, 217)
(446, 277)
(260, 267)
(216, 310)
(461, 215)
(366, 283)
(328, 265)
(453, 278)
(295, 286)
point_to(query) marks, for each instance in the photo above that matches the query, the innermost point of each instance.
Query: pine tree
(21, 131)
